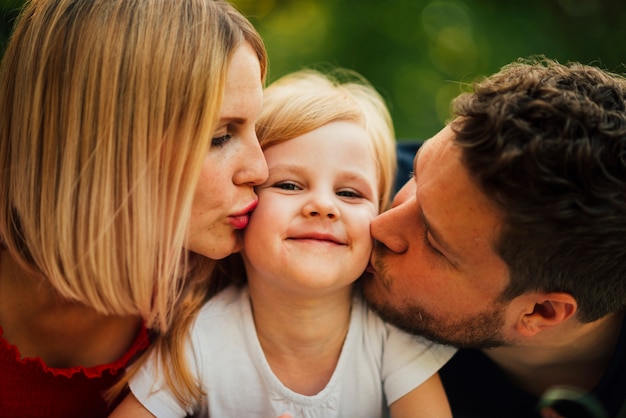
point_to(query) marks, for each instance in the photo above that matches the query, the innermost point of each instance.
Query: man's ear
(549, 310)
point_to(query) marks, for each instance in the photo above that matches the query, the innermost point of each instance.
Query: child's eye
(348, 193)
(287, 185)
(220, 140)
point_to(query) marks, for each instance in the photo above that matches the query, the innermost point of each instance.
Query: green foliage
(8, 12)
(10, 4)
(421, 53)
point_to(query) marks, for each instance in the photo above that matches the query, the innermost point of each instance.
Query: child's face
(311, 228)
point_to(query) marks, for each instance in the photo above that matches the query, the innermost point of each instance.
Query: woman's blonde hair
(305, 100)
(107, 110)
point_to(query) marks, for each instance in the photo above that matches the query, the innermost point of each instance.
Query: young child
(292, 334)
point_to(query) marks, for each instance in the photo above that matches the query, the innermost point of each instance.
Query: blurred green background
(419, 53)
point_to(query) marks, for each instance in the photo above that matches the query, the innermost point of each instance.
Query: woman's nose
(254, 167)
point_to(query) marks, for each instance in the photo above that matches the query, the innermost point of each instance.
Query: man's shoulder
(468, 366)
(478, 388)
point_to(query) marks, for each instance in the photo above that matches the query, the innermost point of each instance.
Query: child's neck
(302, 338)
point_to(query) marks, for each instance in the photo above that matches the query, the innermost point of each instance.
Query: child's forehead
(332, 141)
(338, 150)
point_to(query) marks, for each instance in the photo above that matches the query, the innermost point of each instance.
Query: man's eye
(430, 246)
(220, 140)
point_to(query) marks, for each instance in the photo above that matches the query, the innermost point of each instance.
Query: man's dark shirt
(477, 387)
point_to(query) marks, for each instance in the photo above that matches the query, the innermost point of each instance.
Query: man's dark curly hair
(546, 142)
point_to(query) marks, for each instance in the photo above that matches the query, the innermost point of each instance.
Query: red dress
(29, 388)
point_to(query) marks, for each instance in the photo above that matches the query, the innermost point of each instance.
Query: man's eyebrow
(451, 254)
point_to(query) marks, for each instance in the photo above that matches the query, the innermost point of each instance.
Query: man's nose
(389, 229)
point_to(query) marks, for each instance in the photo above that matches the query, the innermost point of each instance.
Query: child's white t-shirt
(378, 365)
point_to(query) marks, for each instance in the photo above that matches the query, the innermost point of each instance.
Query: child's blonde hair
(305, 100)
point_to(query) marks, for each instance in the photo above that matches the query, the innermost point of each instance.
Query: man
(509, 241)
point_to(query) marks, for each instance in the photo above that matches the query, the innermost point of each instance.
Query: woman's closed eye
(221, 140)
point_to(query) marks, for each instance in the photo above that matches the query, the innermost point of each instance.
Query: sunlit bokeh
(421, 53)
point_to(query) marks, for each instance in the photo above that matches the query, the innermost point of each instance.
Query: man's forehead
(452, 205)
(435, 147)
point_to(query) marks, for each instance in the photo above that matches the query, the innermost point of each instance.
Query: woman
(128, 159)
